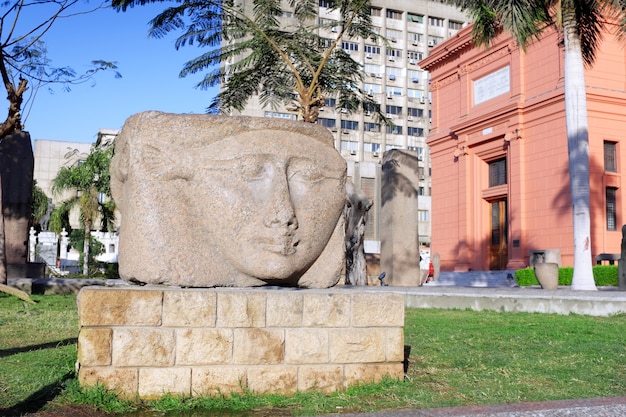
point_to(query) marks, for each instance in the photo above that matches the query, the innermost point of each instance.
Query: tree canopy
(89, 183)
(287, 56)
(24, 63)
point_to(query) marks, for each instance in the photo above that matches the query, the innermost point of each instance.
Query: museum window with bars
(497, 172)
(611, 208)
(610, 156)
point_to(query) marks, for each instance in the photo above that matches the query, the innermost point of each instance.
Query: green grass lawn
(456, 358)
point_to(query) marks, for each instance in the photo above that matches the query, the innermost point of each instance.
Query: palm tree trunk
(578, 153)
(86, 248)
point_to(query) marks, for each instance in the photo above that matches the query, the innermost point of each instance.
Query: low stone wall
(148, 341)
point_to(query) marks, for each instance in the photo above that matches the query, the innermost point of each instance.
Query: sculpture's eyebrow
(327, 170)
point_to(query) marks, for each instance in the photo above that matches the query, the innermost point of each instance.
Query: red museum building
(500, 180)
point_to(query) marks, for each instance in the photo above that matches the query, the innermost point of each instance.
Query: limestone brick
(189, 308)
(377, 310)
(216, 380)
(241, 309)
(200, 346)
(395, 344)
(155, 382)
(94, 346)
(326, 310)
(273, 379)
(143, 347)
(284, 309)
(322, 378)
(101, 307)
(222, 341)
(306, 346)
(357, 345)
(122, 381)
(372, 372)
(259, 346)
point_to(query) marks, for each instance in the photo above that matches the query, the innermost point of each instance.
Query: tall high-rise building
(393, 77)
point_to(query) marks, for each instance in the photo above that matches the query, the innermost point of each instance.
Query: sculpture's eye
(304, 171)
(253, 168)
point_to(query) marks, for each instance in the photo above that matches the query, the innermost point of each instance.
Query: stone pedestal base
(151, 341)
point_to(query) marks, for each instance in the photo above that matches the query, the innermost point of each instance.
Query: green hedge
(604, 276)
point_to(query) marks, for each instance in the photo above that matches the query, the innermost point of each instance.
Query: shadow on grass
(37, 400)
(49, 345)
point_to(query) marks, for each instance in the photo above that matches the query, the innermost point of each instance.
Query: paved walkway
(595, 407)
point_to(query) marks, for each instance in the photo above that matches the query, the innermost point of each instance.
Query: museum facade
(498, 146)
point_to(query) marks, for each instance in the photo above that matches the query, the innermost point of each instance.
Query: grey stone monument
(210, 201)
(16, 168)
(399, 246)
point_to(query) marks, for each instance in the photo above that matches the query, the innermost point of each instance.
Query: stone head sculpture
(210, 201)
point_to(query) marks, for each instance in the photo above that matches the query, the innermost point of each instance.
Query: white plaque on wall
(492, 85)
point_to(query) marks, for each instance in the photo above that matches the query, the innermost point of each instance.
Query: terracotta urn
(547, 274)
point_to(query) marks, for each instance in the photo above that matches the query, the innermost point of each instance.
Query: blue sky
(149, 69)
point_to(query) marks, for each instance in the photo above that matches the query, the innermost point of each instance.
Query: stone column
(16, 165)
(32, 243)
(64, 243)
(399, 252)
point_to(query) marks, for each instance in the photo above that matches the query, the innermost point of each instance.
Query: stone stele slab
(218, 201)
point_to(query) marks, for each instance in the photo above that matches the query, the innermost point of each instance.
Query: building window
(417, 56)
(412, 93)
(329, 123)
(395, 110)
(417, 18)
(330, 102)
(393, 35)
(416, 112)
(349, 146)
(435, 21)
(326, 43)
(371, 49)
(326, 3)
(371, 89)
(434, 40)
(455, 25)
(394, 14)
(497, 172)
(349, 46)
(393, 71)
(278, 115)
(350, 124)
(611, 209)
(394, 54)
(394, 130)
(371, 127)
(376, 11)
(415, 38)
(610, 157)
(371, 107)
(415, 131)
(393, 91)
(371, 147)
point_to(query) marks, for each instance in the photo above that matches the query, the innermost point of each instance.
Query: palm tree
(580, 24)
(253, 51)
(89, 181)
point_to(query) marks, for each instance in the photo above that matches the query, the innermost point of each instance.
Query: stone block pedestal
(149, 341)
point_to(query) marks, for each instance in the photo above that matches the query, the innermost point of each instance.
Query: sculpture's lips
(282, 245)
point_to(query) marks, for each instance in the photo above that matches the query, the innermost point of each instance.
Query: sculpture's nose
(280, 211)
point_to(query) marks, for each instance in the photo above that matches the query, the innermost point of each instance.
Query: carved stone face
(273, 204)
(220, 201)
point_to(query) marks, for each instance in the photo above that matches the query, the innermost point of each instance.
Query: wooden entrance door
(498, 248)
